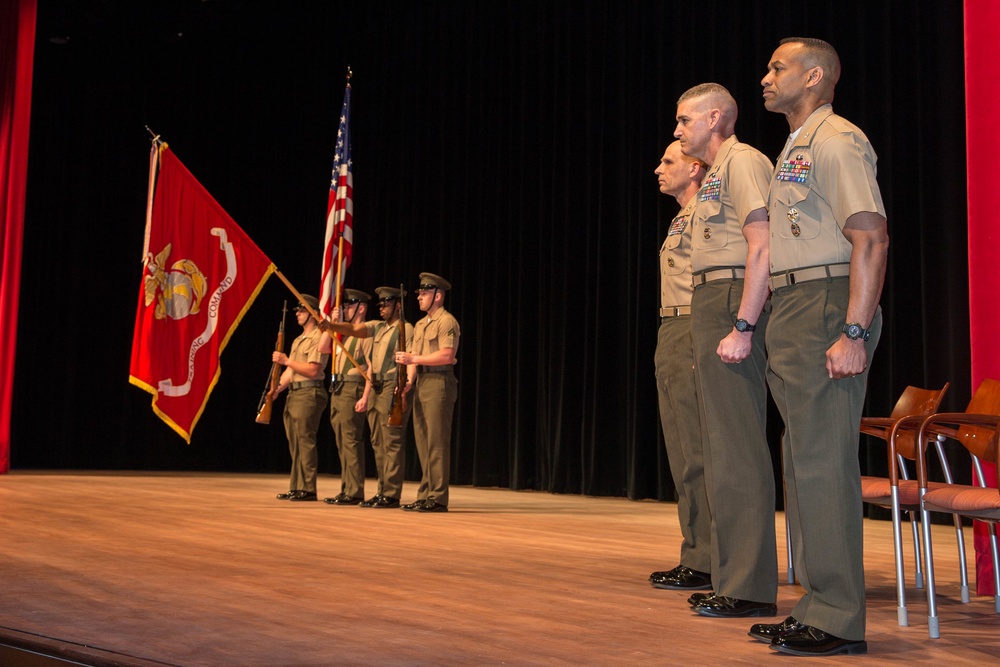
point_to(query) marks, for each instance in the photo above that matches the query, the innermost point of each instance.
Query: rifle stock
(398, 397)
(266, 403)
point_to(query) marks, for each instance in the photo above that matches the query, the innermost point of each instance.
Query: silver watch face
(853, 331)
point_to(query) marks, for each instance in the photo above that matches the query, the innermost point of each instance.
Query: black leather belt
(433, 369)
(305, 384)
(346, 378)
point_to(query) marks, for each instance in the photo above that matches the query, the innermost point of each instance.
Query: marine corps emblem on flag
(177, 292)
(188, 309)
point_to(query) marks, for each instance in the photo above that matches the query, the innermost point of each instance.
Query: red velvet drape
(982, 99)
(17, 47)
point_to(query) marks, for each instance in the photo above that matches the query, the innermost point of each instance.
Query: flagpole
(319, 319)
(341, 215)
(340, 233)
(154, 163)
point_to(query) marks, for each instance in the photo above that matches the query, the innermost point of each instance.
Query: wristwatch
(855, 331)
(742, 325)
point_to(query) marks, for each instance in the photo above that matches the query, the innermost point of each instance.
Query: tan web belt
(674, 311)
(796, 276)
(725, 273)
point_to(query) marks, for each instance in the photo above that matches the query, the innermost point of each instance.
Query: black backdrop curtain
(509, 148)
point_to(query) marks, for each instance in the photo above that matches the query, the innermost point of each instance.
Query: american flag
(340, 212)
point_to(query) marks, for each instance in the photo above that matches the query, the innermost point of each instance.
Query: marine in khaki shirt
(303, 377)
(680, 417)
(349, 395)
(728, 323)
(828, 248)
(431, 360)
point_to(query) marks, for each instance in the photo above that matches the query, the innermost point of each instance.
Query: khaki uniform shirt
(431, 335)
(735, 186)
(359, 348)
(826, 174)
(306, 348)
(384, 345)
(675, 261)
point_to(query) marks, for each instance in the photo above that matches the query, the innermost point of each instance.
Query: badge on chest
(711, 189)
(796, 170)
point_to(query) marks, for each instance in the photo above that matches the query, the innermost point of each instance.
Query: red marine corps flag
(200, 274)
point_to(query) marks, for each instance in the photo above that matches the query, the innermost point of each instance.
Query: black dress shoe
(285, 496)
(699, 597)
(681, 578)
(303, 495)
(768, 632)
(664, 575)
(416, 504)
(808, 640)
(371, 501)
(335, 499)
(720, 606)
(345, 500)
(431, 506)
(386, 502)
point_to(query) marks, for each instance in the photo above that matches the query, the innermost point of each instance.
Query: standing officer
(303, 377)
(349, 394)
(828, 253)
(432, 357)
(680, 176)
(729, 262)
(388, 441)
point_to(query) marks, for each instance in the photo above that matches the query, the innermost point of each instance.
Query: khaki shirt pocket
(794, 211)
(670, 258)
(709, 225)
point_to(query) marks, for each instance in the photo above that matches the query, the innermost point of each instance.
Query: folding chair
(976, 429)
(897, 492)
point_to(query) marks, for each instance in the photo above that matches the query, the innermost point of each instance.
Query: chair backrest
(915, 402)
(980, 440)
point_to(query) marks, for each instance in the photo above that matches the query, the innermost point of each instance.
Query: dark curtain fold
(508, 148)
(17, 39)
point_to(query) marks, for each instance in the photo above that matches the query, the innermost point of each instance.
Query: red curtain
(982, 98)
(17, 46)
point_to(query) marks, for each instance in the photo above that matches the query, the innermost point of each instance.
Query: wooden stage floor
(143, 569)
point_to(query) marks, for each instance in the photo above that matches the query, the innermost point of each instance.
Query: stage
(144, 569)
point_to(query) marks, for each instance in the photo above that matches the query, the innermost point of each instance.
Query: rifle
(398, 406)
(267, 398)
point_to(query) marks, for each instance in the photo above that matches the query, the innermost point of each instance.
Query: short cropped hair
(818, 52)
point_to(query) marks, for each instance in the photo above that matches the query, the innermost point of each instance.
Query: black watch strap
(854, 331)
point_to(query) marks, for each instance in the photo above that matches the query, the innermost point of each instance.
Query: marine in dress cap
(385, 293)
(431, 281)
(309, 299)
(356, 296)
